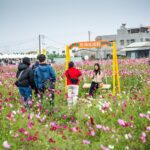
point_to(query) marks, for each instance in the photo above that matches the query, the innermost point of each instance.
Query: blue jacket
(43, 73)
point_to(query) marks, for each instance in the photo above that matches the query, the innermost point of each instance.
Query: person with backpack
(45, 77)
(97, 79)
(72, 75)
(25, 79)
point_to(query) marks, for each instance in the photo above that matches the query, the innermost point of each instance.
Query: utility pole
(39, 44)
(89, 34)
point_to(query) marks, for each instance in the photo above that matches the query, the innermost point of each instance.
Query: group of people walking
(41, 77)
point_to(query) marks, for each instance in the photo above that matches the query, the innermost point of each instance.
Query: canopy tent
(17, 56)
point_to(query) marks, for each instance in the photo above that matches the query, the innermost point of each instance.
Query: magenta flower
(21, 130)
(54, 126)
(125, 104)
(29, 138)
(64, 117)
(23, 110)
(64, 126)
(131, 118)
(51, 140)
(92, 120)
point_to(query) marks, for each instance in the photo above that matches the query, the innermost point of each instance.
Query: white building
(126, 36)
(138, 50)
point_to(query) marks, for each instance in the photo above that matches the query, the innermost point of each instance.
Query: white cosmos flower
(111, 146)
(14, 112)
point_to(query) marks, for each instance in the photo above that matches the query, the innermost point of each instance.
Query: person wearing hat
(25, 79)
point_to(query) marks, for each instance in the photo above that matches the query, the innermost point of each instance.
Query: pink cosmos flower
(148, 128)
(6, 145)
(30, 103)
(30, 125)
(143, 137)
(26, 133)
(92, 133)
(98, 126)
(106, 106)
(10, 105)
(52, 124)
(122, 123)
(86, 142)
(105, 128)
(38, 115)
(103, 147)
(74, 129)
(16, 135)
(142, 115)
(147, 116)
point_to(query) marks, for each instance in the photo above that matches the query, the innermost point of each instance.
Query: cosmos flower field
(106, 122)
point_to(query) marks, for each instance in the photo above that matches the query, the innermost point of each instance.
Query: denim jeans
(25, 92)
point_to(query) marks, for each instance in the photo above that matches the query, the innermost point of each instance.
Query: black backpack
(73, 80)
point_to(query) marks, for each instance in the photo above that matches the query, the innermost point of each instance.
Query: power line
(57, 42)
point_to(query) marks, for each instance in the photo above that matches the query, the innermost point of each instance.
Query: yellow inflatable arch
(99, 44)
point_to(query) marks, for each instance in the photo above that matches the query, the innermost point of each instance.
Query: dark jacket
(43, 73)
(27, 77)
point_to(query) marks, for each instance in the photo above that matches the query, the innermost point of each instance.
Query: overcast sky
(65, 21)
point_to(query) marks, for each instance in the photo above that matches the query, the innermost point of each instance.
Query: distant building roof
(137, 46)
(110, 37)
